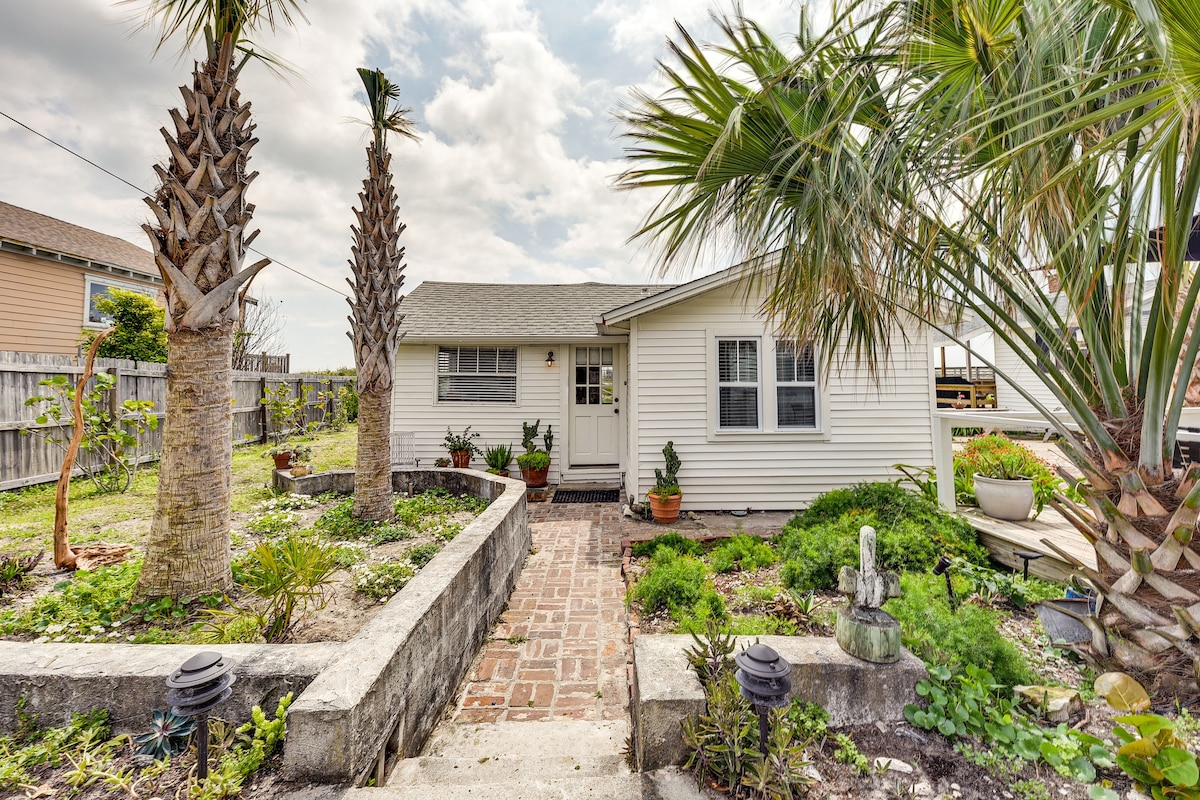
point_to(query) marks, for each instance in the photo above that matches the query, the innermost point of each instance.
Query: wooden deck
(1002, 538)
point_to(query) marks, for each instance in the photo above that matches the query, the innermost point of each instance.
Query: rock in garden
(1059, 702)
(883, 763)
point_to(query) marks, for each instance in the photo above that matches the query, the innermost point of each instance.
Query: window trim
(758, 385)
(814, 384)
(437, 375)
(153, 292)
(768, 411)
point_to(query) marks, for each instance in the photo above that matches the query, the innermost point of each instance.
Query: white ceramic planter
(1004, 499)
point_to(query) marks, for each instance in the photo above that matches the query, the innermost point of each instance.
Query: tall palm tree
(375, 322)
(1030, 161)
(199, 242)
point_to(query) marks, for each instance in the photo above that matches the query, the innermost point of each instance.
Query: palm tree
(1032, 162)
(199, 242)
(375, 322)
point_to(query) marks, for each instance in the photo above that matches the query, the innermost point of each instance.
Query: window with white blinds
(477, 374)
(795, 385)
(737, 384)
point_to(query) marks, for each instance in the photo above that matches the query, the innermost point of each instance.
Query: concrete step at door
(507, 769)
(529, 739)
(608, 787)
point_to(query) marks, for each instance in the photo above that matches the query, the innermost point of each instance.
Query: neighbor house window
(737, 384)
(477, 374)
(795, 385)
(97, 286)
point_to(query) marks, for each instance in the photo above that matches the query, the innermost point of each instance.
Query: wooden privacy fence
(27, 460)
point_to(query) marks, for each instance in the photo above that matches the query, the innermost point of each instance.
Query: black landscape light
(196, 688)
(1026, 556)
(762, 676)
(943, 568)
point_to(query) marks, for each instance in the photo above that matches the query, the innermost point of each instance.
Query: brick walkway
(560, 650)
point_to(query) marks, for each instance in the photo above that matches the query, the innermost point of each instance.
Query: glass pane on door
(594, 376)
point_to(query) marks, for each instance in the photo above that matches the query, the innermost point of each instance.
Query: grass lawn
(28, 514)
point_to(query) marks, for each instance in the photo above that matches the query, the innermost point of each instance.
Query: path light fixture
(1026, 556)
(196, 688)
(943, 568)
(550, 359)
(762, 676)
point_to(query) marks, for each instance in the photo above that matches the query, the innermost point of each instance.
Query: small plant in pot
(461, 446)
(1003, 477)
(498, 457)
(282, 453)
(535, 463)
(301, 455)
(441, 462)
(666, 497)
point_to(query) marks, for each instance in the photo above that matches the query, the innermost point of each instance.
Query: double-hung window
(477, 375)
(795, 386)
(738, 384)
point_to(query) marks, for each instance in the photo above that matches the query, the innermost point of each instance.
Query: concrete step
(609, 787)
(442, 771)
(582, 739)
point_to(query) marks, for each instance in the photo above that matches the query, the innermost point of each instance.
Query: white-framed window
(477, 374)
(97, 286)
(796, 395)
(739, 384)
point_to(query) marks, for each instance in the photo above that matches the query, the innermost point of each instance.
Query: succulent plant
(168, 735)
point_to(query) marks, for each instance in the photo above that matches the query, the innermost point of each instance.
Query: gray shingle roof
(438, 309)
(27, 227)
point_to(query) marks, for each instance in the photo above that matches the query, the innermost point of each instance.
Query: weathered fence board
(29, 459)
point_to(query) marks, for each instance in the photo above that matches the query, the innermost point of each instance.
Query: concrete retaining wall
(390, 683)
(57, 680)
(854, 692)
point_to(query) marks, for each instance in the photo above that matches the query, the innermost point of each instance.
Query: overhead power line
(146, 193)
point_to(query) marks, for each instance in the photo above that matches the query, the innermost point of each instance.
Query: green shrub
(383, 579)
(422, 554)
(673, 540)
(912, 533)
(741, 552)
(970, 636)
(291, 575)
(338, 521)
(681, 585)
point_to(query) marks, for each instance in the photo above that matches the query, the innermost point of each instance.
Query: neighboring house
(619, 370)
(51, 273)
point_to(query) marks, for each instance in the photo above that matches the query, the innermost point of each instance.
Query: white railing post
(943, 460)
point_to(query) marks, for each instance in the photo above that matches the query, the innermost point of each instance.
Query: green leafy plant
(991, 585)
(847, 752)
(461, 442)
(114, 442)
(290, 574)
(382, 579)
(498, 457)
(529, 432)
(679, 584)
(138, 322)
(535, 461)
(168, 735)
(997, 456)
(14, 569)
(673, 540)
(285, 410)
(254, 743)
(741, 552)
(923, 479)
(666, 480)
(1156, 758)
(422, 554)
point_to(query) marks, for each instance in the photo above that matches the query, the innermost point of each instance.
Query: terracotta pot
(282, 460)
(1004, 499)
(300, 470)
(665, 509)
(461, 458)
(535, 478)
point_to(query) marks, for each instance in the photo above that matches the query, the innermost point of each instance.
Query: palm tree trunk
(373, 461)
(187, 553)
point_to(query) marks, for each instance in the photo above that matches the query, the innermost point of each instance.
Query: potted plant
(1004, 478)
(498, 457)
(535, 463)
(961, 401)
(666, 497)
(461, 446)
(301, 453)
(282, 453)
(441, 462)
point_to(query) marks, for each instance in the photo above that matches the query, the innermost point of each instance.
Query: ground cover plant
(84, 760)
(293, 556)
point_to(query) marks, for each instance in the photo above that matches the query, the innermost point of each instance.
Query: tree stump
(863, 629)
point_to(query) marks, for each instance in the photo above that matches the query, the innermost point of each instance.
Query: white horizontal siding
(539, 396)
(1020, 373)
(867, 428)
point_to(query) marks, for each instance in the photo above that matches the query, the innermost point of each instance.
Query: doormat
(587, 496)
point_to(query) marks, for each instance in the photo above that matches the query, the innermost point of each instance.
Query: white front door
(595, 435)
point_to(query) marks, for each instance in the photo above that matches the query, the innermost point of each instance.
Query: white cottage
(618, 370)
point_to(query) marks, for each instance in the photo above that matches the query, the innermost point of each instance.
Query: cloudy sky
(514, 101)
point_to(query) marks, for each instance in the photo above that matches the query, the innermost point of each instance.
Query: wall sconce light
(550, 359)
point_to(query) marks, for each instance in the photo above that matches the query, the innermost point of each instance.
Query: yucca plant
(199, 240)
(1032, 162)
(375, 323)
